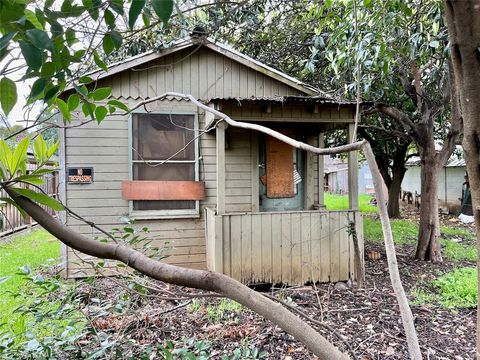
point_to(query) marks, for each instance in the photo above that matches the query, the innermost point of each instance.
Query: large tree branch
(395, 114)
(200, 279)
(388, 132)
(229, 287)
(456, 122)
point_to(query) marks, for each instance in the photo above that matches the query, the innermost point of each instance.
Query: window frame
(170, 213)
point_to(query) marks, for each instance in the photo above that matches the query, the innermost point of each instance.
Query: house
(450, 182)
(336, 177)
(230, 200)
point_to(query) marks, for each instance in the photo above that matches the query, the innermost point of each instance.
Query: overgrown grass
(454, 289)
(458, 288)
(340, 202)
(27, 250)
(458, 251)
(404, 231)
(460, 232)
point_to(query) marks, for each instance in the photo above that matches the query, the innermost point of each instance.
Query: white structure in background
(336, 177)
(450, 182)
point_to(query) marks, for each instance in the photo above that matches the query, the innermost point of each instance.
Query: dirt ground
(366, 322)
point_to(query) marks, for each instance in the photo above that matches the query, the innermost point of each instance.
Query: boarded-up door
(281, 180)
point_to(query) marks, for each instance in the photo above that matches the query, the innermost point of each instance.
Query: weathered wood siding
(198, 71)
(283, 247)
(105, 147)
(206, 75)
(290, 113)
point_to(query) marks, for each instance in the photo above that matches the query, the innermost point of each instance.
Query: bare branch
(396, 114)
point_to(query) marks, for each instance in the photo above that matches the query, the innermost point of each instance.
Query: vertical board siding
(201, 72)
(288, 247)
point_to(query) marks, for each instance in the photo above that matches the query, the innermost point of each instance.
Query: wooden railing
(11, 220)
(292, 247)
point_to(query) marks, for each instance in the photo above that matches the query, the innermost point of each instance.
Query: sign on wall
(80, 175)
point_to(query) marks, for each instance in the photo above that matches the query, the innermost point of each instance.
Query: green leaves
(20, 156)
(109, 19)
(40, 39)
(39, 198)
(107, 44)
(13, 161)
(118, 104)
(100, 93)
(163, 9)
(63, 107)
(112, 40)
(32, 55)
(73, 102)
(38, 87)
(99, 61)
(70, 37)
(8, 95)
(5, 39)
(42, 151)
(135, 10)
(100, 113)
(30, 16)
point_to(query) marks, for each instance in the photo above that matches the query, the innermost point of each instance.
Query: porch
(291, 247)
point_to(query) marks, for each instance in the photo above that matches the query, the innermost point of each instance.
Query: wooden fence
(11, 220)
(292, 247)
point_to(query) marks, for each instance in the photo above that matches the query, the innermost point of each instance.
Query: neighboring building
(450, 182)
(336, 177)
(231, 200)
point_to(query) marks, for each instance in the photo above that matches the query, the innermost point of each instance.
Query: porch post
(220, 150)
(352, 173)
(321, 171)
(309, 181)
(255, 172)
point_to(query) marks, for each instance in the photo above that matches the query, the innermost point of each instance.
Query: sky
(17, 115)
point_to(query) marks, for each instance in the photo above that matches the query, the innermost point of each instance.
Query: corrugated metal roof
(291, 99)
(456, 163)
(453, 162)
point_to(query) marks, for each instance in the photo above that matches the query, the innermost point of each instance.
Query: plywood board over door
(279, 169)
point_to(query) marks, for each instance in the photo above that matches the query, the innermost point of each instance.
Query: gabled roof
(209, 43)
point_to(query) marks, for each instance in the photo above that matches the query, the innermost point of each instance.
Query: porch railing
(283, 247)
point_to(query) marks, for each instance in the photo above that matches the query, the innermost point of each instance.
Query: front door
(281, 175)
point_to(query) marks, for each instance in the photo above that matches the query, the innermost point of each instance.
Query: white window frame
(170, 213)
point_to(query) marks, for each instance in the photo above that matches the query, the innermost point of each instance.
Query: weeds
(454, 289)
(457, 251)
(458, 288)
(216, 313)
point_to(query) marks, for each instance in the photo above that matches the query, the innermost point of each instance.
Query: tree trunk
(398, 172)
(394, 191)
(463, 19)
(428, 246)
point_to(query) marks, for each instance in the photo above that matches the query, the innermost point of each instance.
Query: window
(164, 152)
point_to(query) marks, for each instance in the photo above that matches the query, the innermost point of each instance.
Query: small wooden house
(229, 200)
